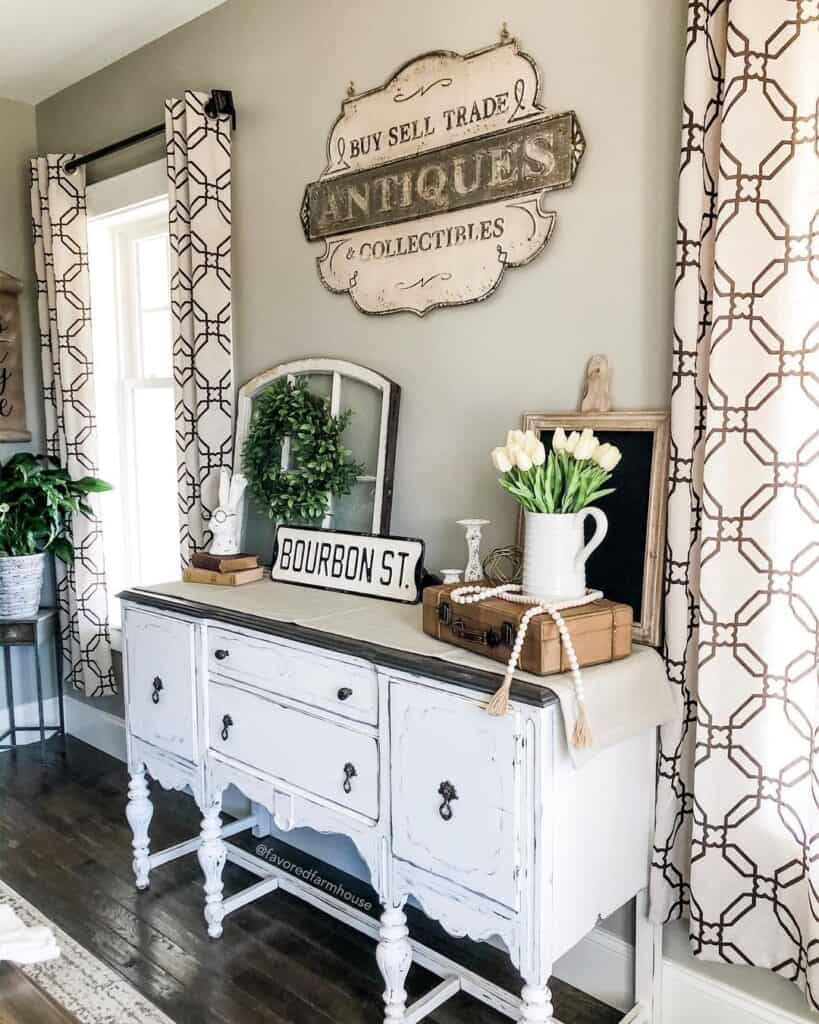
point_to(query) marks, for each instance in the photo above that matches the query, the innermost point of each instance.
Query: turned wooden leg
(536, 1004)
(394, 956)
(139, 812)
(212, 855)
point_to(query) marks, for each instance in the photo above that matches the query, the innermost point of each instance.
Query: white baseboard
(690, 995)
(26, 715)
(602, 964)
(98, 728)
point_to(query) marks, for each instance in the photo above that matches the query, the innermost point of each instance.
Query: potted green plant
(37, 500)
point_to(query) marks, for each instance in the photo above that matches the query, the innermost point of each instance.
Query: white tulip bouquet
(569, 478)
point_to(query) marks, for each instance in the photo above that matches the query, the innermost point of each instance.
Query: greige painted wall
(18, 125)
(603, 284)
(17, 144)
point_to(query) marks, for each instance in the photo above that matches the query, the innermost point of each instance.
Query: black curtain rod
(219, 104)
(114, 147)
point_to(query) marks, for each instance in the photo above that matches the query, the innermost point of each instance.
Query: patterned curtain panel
(736, 844)
(63, 295)
(198, 152)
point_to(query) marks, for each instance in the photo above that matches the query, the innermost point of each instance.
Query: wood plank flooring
(65, 847)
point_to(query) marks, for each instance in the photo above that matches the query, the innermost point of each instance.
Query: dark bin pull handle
(447, 791)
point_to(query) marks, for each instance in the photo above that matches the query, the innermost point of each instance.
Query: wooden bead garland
(499, 704)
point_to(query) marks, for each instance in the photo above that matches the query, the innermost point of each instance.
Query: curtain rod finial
(221, 103)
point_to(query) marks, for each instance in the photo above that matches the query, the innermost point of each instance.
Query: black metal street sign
(354, 563)
(436, 182)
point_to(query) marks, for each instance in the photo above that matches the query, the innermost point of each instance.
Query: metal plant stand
(31, 632)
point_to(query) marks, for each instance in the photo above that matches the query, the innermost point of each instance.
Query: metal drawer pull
(221, 654)
(227, 722)
(349, 773)
(344, 693)
(157, 688)
(447, 791)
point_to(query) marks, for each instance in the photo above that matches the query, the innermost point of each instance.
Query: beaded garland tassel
(499, 705)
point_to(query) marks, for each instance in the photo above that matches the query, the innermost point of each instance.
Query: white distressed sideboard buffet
(334, 713)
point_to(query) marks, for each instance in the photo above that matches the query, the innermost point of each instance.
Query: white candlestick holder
(473, 529)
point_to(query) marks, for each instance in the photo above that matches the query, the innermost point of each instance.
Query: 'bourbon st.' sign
(436, 182)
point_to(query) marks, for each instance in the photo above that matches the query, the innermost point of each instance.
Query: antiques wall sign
(436, 181)
(355, 563)
(12, 397)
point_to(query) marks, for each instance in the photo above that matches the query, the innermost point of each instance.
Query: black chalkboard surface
(627, 566)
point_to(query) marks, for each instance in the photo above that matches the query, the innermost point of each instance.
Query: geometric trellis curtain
(199, 168)
(63, 298)
(737, 836)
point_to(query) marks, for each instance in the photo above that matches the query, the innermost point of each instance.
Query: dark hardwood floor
(65, 846)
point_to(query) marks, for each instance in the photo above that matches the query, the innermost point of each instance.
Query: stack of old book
(223, 570)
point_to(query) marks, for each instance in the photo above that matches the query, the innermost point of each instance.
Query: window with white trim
(131, 321)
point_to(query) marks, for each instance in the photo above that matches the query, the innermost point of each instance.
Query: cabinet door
(442, 746)
(161, 682)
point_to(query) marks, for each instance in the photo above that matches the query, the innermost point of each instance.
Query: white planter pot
(21, 581)
(554, 555)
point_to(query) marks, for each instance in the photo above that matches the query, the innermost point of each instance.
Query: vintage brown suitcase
(600, 631)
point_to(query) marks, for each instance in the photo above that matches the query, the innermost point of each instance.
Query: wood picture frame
(629, 564)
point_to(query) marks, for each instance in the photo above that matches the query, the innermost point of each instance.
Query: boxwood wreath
(320, 465)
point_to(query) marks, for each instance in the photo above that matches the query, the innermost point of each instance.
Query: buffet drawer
(454, 793)
(312, 753)
(161, 683)
(344, 686)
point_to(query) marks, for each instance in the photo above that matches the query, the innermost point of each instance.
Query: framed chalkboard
(628, 565)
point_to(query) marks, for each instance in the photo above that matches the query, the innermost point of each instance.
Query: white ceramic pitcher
(554, 555)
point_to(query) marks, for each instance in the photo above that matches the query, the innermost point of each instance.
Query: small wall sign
(355, 563)
(436, 182)
(12, 396)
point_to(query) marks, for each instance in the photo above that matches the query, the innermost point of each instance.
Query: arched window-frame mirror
(375, 401)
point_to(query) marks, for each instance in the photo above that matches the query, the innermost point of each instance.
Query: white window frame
(114, 203)
(337, 370)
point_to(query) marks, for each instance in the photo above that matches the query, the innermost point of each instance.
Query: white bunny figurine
(224, 522)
